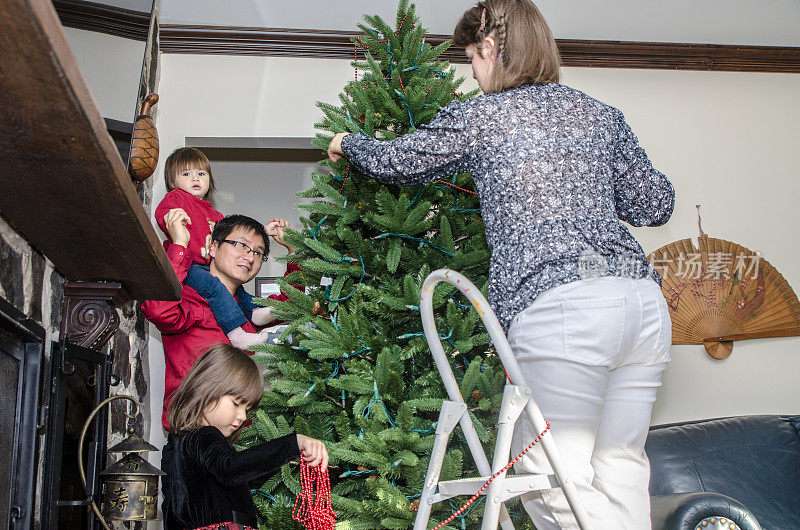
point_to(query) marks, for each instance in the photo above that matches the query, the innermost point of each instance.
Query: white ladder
(516, 398)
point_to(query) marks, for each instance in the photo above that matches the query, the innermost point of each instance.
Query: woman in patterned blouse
(556, 171)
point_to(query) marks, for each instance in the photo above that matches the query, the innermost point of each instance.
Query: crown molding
(333, 44)
(679, 56)
(329, 44)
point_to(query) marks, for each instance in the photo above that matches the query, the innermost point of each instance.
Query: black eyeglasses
(257, 254)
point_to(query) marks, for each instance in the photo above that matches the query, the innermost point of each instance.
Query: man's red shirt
(187, 326)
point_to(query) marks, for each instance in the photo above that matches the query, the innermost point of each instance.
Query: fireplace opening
(21, 361)
(80, 381)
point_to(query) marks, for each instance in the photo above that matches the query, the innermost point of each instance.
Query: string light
(358, 42)
(396, 33)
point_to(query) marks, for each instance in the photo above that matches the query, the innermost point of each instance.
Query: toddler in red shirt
(187, 173)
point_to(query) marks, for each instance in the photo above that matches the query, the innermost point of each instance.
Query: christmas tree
(353, 367)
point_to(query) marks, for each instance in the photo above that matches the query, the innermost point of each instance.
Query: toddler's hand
(314, 451)
(176, 221)
(276, 230)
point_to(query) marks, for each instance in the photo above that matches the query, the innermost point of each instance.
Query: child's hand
(176, 221)
(276, 229)
(314, 451)
(335, 147)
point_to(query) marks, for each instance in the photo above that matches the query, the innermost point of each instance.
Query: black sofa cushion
(753, 459)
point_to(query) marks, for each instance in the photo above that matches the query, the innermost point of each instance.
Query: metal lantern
(130, 486)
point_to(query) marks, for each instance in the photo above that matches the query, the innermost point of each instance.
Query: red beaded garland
(457, 187)
(344, 181)
(486, 484)
(225, 526)
(314, 510)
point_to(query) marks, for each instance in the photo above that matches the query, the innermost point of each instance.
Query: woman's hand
(335, 147)
(314, 451)
(276, 230)
(176, 221)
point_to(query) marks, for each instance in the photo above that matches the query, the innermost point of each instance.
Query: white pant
(593, 352)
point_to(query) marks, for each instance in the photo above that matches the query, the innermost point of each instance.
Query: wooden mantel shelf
(63, 184)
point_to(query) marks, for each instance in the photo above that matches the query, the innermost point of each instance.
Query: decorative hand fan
(723, 292)
(144, 144)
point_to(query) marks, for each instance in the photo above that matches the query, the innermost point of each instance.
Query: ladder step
(513, 485)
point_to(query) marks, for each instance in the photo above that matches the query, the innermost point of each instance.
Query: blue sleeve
(435, 150)
(227, 312)
(246, 303)
(643, 195)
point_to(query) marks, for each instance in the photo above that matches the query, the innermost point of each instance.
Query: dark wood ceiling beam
(284, 42)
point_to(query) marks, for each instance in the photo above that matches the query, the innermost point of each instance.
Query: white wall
(263, 190)
(112, 67)
(724, 139)
(727, 141)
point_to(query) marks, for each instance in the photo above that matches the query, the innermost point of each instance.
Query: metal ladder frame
(516, 398)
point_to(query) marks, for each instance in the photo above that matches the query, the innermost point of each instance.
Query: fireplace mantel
(63, 184)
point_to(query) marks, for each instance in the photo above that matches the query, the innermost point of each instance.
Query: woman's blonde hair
(222, 370)
(187, 157)
(526, 50)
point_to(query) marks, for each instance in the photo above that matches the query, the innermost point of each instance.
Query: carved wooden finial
(149, 102)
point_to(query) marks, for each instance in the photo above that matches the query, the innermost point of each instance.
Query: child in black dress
(206, 482)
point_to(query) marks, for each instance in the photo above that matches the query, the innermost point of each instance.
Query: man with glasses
(188, 327)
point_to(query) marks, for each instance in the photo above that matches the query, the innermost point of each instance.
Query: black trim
(255, 154)
(118, 126)
(257, 149)
(28, 328)
(122, 133)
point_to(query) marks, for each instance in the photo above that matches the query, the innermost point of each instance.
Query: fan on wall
(722, 292)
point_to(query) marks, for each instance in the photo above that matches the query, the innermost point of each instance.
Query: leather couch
(709, 474)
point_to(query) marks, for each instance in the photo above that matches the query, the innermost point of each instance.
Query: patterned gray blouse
(555, 171)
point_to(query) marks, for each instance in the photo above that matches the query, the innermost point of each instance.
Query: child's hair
(222, 370)
(231, 222)
(187, 157)
(526, 50)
